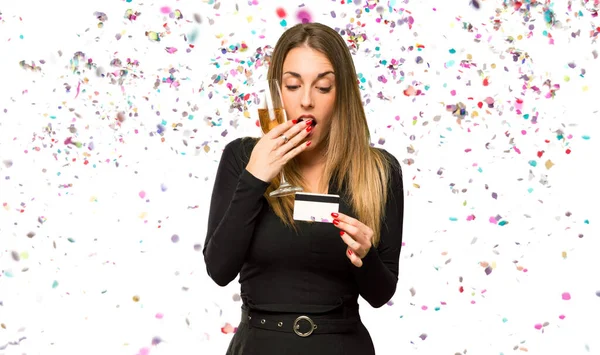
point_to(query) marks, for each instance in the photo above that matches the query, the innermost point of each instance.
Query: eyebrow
(319, 76)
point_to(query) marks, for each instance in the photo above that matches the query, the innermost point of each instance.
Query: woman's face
(308, 89)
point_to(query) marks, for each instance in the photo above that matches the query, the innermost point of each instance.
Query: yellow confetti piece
(143, 214)
(249, 19)
(585, 88)
(417, 185)
(564, 254)
(136, 298)
(206, 149)
(247, 114)
(567, 78)
(549, 164)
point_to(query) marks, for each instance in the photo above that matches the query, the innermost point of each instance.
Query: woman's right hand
(272, 152)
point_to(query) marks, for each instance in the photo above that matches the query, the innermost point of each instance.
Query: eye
(292, 87)
(325, 90)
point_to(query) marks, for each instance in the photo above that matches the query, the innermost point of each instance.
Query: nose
(307, 99)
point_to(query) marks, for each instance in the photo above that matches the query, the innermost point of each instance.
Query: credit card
(315, 207)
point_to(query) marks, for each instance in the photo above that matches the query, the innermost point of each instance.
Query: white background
(103, 244)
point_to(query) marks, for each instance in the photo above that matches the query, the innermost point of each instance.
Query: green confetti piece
(55, 284)
(71, 240)
(453, 219)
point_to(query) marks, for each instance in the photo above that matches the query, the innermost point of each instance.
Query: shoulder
(240, 149)
(391, 160)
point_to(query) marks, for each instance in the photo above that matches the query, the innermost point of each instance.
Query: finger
(293, 137)
(292, 153)
(297, 134)
(279, 129)
(350, 241)
(358, 229)
(356, 261)
(347, 219)
(292, 132)
(348, 228)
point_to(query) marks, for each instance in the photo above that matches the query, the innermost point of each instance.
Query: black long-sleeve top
(281, 270)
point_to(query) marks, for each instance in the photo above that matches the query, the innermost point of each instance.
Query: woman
(300, 281)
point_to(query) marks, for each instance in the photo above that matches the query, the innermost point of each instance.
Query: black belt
(302, 325)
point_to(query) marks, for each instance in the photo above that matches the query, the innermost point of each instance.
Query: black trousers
(261, 333)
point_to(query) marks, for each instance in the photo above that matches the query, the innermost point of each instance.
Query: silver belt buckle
(313, 326)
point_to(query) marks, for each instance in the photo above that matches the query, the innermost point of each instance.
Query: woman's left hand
(357, 235)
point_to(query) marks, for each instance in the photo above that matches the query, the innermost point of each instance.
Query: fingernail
(336, 222)
(294, 121)
(341, 233)
(308, 143)
(350, 252)
(309, 128)
(334, 215)
(308, 122)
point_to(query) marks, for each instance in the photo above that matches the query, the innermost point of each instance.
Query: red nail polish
(309, 128)
(335, 215)
(341, 233)
(308, 143)
(350, 252)
(336, 222)
(294, 121)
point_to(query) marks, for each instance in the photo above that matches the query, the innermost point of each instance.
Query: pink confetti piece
(78, 89)
(142, 194)
(171, 50)
(566, 296)
(165, 9)
(227, 329)
(304, 16)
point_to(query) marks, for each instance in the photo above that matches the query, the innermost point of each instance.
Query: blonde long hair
(350, 160)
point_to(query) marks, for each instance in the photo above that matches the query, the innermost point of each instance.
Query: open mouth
(314, 122)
